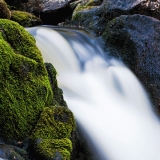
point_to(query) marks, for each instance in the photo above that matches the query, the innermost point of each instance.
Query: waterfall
(109, 103)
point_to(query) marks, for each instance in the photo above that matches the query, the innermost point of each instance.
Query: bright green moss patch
(52, 132)
(54, 123)
(4, 11)
(24, 85)
(25, 19)
(54, 148)
(85, 5)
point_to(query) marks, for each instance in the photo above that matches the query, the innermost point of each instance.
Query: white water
(106, 98)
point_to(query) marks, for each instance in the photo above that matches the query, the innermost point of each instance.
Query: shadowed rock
(136, 39)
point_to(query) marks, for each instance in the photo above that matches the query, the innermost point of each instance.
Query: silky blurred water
(108, 101)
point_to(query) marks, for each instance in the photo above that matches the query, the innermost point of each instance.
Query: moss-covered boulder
(4, 11)
(25, 19)
(24, 86)
(53, 132)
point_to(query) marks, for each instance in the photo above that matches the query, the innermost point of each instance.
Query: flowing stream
(108, 101)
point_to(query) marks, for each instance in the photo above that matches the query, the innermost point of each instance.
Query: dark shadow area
(53, 18)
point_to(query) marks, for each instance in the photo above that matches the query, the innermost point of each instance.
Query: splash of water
(106, 98)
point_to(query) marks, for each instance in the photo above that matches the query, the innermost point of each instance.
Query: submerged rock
(25, 88)
(136, 40)
(25, 19)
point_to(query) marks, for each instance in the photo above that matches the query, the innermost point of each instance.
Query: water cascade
(108, 102)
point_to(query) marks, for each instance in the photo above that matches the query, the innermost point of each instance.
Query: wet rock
(46, 5)
(50, 11)
(9, 152)
(136, 39)
(58, 93)
(94, 15)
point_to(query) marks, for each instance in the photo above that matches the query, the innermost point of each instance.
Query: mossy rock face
(25, 19)
(91, 16)
(58, 93)
(25, 88)
(4, 11)
(52, 133)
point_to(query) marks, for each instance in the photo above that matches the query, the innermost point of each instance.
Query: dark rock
(9, 152)
(55, 17)
(16, 4)
(50, 11)
(58, 93)
(136, 39)
(46, 5)
(80, 147)
(94, 16)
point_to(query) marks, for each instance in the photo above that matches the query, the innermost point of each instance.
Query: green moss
(82, 8)
(25, 19)
(78, 12)
(85, 5)
(58, 93)
(54, 123)
(4, 11)
(52, 132)
(24, 85)
(54, 148)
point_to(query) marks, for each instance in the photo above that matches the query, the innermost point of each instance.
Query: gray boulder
(93, 15)
(46, 5)
(50, 11)
(136, 39)
(9, 152)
